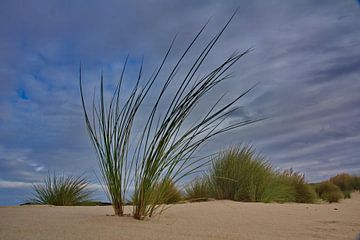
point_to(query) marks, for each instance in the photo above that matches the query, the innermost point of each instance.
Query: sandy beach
(205, 220)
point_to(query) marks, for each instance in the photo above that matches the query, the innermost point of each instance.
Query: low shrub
(343, 181)
(334, 196)
(356, 183)
(347, 183)
(329, 191)
(347, 194)
(62, 191)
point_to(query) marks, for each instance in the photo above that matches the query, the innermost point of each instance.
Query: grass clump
(236, 175)
(62, 191)
(166, 192)
(164, 147)
(329, 192)
(304, 192)
(278, 190)
(241, 175)
(198, 190)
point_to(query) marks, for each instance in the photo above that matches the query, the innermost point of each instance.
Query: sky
(305, 62)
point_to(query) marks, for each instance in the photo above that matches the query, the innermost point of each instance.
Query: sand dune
(206, 220)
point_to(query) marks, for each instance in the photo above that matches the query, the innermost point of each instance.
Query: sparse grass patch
(62, 191)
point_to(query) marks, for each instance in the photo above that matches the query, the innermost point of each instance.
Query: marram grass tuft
(62, 191)
(163, 148)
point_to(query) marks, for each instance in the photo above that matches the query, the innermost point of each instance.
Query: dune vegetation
(163, 150)
(338, 187)
(237, 174)
(240, 174)
(198, 190)
(159, 155)
(60, 190)
(303, 192)
(347, 183)
(328, 191)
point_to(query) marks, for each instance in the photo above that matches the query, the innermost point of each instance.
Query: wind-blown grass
(62, 191)
(165, 147)
(167, 153)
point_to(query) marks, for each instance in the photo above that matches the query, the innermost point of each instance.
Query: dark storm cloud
(306, 61)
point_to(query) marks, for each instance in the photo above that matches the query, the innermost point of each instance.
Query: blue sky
(305, 59)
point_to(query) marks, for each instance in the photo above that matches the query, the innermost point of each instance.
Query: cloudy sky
(306, 61)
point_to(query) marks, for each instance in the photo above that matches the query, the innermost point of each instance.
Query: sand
(205, 220)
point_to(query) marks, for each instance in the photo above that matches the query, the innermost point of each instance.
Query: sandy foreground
(205, 220)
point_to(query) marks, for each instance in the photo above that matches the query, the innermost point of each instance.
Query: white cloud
(14, 184)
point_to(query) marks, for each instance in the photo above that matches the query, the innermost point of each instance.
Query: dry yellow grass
(205, 220)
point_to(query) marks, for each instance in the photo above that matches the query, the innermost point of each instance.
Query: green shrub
(355, 183)
(238, 174)
(343, 181)
(62, 191)
(334, 196)
(329, 191)
(347, 194)
(346, 183)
